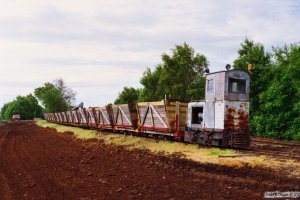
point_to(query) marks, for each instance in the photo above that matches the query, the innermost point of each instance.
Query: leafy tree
(251, 53)
(197, 88)
(55, 97)
(151, 91)
(276, 109)
(274, 92)
(254, 53)
(26, 106)
(178, 76)
(281, 100)
(275, 89)
(128, 95)
(4, 109)
(67, 93)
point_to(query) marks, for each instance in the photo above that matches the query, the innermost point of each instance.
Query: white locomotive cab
(196, 115)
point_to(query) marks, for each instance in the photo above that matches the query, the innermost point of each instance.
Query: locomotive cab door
(195, 120)
(196, 115)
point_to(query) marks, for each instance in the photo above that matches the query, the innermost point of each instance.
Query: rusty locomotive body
(220, 120)
(223, 118)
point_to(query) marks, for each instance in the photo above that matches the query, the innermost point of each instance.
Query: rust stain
(236, 123)
(243, 120)
(236, 119)
(229, 119)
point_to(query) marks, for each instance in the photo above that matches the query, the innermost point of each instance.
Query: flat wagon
(166, 117)
(103, 117)
(91, 117)
(82, 117)
(124, 117)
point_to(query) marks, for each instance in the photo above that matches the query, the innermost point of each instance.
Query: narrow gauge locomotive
(220, 120)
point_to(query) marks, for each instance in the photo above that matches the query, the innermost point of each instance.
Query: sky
(97, 47)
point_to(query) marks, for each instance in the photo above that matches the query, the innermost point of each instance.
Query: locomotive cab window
(197, 115)
(237, 86)
(210, 85)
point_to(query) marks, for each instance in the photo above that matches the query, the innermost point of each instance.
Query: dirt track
(38, 163)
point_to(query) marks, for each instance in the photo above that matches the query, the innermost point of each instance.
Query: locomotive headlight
(228, 66)
(206, 70)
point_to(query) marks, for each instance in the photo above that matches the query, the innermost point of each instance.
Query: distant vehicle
(16, 117)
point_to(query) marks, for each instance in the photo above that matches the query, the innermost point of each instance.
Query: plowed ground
(39, 163)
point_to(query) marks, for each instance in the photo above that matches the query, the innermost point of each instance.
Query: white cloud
(100, 46)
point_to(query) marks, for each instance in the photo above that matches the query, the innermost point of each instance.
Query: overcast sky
(98, 47)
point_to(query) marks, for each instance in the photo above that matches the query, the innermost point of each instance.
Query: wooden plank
(158, 115)
(171, 111)
(155, 103)
(232, 155)
(183, 109)
(182, 121)
(184, 104)
(170, 108)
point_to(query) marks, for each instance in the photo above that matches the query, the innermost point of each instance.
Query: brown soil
(39, 163)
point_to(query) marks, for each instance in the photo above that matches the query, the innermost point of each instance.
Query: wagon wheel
(169, 137)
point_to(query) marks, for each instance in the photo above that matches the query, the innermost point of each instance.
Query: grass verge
(190, 151)
(203, 154)
(80, 133)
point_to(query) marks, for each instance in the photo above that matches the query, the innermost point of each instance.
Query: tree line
(54, 97)
(274, 90)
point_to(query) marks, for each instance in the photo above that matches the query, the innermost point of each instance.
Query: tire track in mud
(39, 163)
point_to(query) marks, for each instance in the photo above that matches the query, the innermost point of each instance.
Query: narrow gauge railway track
(275, 142)
(285, 152)
(275, 148)
(259, 146)
(276, 154)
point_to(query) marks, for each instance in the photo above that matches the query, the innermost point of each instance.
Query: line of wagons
(220, 120)
(164, 118)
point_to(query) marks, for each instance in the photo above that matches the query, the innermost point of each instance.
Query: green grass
(78, 132)
(192, 151)
(218, 152)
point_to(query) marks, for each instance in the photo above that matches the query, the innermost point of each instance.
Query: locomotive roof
(228, 71)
